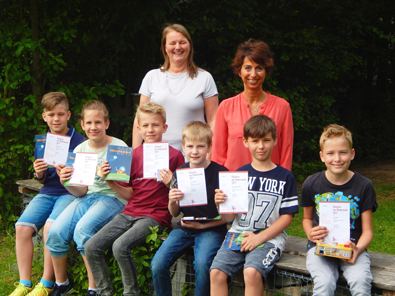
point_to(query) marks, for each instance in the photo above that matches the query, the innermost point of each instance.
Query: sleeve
(369, 198)
(210, 87)
(220, 139)
(145, 85)
(289, 203)
(287, 140)
(305, 196)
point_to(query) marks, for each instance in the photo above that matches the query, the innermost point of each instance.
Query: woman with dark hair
(253, 62)
(187, 92)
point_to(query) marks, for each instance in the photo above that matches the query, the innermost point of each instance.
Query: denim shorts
(44, 208)
(262, 259)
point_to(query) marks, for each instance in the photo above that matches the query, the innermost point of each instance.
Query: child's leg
(258, 263)
(97, 245)
(358, 275)
(206, 246)
(324, 271)
(24, 251)
(225, 266)
(253, 282)
(171, 249)
(122, 250)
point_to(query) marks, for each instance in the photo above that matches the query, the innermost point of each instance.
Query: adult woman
(186, 91)
(253, 62)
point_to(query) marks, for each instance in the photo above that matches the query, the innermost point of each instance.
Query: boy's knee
(119, 249)
(251, 276)
(23, 231)
(218, 276)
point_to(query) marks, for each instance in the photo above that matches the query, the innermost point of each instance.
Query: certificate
(192, 182)
(235, 186)
(335, 216)
(156, 157)
(84, 169)
(56, 149)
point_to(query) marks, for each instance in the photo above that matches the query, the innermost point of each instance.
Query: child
(272, 199)
(206, 237)
(337, 153)
(94, 207)
(147, 206)
(46, 206)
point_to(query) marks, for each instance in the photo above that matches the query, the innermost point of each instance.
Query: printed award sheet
(235, 186)
(56, 149)
(335, 216)
(192, 182)
(156, 157)
(84, 169)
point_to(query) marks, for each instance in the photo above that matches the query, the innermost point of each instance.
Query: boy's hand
(166, 175)
(40, 166)
(318, 233)
(355, 252)
(65, 174)
(175, 195)
(192, 224)
(220, 197)
(105, 169)
(58, 168)
(250, 242)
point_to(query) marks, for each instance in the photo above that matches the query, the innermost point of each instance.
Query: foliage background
(334, 62)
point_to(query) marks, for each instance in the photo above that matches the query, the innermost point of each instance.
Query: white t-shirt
(100, 186)
(182, 97)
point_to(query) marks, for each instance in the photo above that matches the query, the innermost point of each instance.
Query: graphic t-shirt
(358, 191)
(270, 195)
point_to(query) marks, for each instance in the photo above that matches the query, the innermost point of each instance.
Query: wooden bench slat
(29, 184)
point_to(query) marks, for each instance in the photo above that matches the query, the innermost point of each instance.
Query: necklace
(180, 90)
(257, 108)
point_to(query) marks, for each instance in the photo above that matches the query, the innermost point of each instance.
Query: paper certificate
(192, 182)
(335, 216)
(156, 157)
(56, 149)
(235, 186)
(84, 169)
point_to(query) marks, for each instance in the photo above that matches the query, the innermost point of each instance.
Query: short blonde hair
(335, 131)
(151, 108)
(51, 99)
(197, 131)
(95, 105)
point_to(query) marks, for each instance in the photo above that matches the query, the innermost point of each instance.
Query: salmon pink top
(228, 147)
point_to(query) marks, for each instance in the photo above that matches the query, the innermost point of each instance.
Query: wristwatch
(39, 179)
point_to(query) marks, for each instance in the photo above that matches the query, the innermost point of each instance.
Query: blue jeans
(206, 245)
(81, 220)
(44, 208)
(123, 233)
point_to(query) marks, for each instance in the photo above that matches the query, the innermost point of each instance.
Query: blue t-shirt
(52, 185)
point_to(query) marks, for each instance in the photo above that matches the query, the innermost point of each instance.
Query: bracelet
(39, 179)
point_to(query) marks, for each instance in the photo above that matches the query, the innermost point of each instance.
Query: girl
(95, 207)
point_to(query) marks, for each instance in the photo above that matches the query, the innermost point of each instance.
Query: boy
(338, 183)
(46, 206)
(146, 207)
(272, 199)
(206, 237)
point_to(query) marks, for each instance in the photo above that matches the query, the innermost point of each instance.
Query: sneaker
(62, 290)
(21, 290)
(91, 293)
(40, 290)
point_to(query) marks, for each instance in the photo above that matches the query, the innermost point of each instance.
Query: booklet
(192, 182)
(39, 146)
(84, 169)
(120, 161)
(335, 216)
(235, 186)
(156, 157)
(70, 163)
(201, 219)
(233, 240)
(56, 149)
